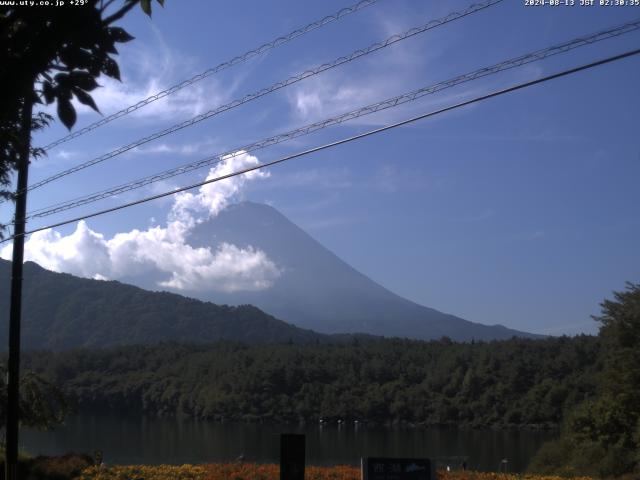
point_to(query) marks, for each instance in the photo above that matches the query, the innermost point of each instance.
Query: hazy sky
(521, 210)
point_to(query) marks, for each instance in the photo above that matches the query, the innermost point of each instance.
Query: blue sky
(521, 210)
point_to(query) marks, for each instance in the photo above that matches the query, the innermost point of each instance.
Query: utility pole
(13, 369)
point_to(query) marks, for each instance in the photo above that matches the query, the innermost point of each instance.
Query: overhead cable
(342, 141)
(366, 110)
(265, 91)
(218, 68)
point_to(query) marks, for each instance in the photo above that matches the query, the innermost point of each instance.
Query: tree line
(515, 383)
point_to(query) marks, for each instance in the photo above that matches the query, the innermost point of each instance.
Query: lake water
(144, 440)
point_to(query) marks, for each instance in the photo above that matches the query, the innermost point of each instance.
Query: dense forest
(511, 383)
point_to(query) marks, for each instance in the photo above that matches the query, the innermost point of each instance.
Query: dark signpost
(292, 447)
(377, 468)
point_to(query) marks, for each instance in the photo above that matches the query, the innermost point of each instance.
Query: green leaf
(86, 99)
(66, 112)
(161, 2)
(146, 6)
(119, 35)
(111, 69)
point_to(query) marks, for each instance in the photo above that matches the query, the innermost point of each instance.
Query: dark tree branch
(104, 6)
(120, 13)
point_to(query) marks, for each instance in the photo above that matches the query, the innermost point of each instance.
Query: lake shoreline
(348, 423)
(153, 441)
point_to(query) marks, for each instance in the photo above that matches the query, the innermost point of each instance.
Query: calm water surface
(144, 440)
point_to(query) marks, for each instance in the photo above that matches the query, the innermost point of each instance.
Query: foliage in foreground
(42, 404)
(51, 55)
(601, 437)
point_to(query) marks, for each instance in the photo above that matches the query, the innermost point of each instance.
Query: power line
(265, 91)
(218, 68)
(369, 109)
(344, 140)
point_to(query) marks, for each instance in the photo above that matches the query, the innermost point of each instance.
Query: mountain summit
(319, 291)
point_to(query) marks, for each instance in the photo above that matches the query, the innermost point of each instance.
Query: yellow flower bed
(253, 471)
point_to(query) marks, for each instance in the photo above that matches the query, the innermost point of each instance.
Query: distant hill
(319, 291)
(61, 311)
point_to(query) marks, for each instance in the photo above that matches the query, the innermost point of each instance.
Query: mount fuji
(316, 289)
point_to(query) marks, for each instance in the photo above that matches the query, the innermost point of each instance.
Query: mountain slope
(318, 290)
(62, 311)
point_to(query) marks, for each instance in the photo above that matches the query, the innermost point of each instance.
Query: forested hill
(508, 383)
(61, 311)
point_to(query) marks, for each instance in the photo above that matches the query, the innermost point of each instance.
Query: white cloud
(186, 149)
(334, 93)
(83, 253)
(56, 159)
(114, 96)
(163, 251)
(66, 155)
(307, 103)
(149, 69)
(381, 75)
(403, 67)
(213, 197)
(235, 269)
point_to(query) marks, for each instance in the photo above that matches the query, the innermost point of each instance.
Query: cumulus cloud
(82, 253)
(162, 251)
(213, 197)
